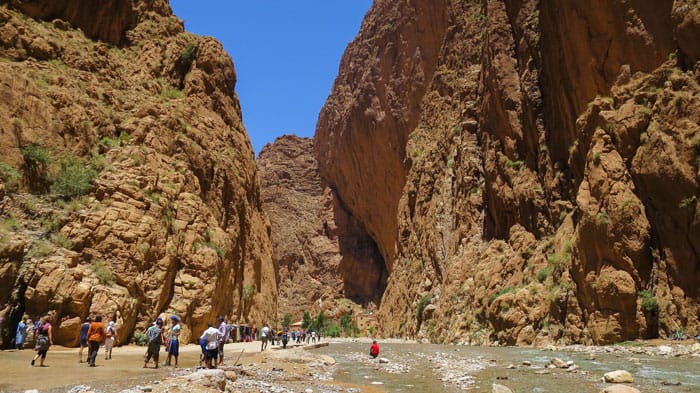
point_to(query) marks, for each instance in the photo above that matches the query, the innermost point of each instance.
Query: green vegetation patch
(649, 302)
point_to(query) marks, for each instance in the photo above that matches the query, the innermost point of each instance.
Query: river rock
(383, 360)
(496, 388)
(231, 375)
(327, 360)
(527, 363)
(618, 376)
(558, 363)
(619, 389)
(209, 378)
(665, 349)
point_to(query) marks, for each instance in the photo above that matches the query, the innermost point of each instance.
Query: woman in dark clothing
(83, 338)
(44, 339)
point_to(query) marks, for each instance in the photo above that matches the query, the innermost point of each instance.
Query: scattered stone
(527, 363)
(511, 367)
(671, 383)
(619, 389)
(558, 363)
(231, 375)
(572, 368)
(496, 388)
(215, 378)
(618, 376)
(327, 360)
(542, 372)
(383, 360)
(665, 350)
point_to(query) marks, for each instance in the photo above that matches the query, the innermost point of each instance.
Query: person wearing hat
(111, 332)
(223, 336)
(154, 335)
(174, 345)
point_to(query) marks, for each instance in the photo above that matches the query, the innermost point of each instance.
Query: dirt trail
(123, 370)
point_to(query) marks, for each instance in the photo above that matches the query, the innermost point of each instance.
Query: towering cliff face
(325, 259)
(542, 166)
(173, 220)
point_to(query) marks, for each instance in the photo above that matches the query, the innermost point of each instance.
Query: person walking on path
(111, 333)
(155, 339)
(174, 343)
(83, 338)
(223, 335)
(374, 349)
(96, 335)
(21, 335)
(263, 337)
(285, 339)
(211, 336)
(44, 339)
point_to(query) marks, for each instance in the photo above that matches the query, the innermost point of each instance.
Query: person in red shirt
(374, 349)
(96, 335)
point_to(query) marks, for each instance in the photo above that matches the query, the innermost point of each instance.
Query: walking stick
(239, 357)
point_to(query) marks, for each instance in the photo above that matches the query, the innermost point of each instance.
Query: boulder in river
(497, 388)
(558, 363)
(618, 376)
(619, 389)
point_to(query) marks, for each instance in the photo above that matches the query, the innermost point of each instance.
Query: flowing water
(443, 368)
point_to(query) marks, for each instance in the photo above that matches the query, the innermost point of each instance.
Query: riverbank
(306, 369)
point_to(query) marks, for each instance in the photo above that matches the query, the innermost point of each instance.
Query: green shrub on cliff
(422, 303)
(73, 178)
(649, 302)
(9, 176)
(102, 272)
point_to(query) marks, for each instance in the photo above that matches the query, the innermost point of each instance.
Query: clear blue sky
(286, 55)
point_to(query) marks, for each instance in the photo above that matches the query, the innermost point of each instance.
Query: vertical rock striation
(323, 255)
(173, 221)
(528, 169)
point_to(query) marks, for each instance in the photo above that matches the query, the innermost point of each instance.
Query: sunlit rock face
(172, 222)
(527, 169)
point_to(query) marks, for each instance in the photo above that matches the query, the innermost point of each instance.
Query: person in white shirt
(211, 336)
(263, 337)
(223, 331)
(109, 341)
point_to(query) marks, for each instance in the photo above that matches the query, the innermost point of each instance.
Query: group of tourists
(93, 333)
(282, 336)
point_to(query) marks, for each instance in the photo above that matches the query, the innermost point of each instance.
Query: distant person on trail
(285, 339)
(263, 337)
(174, 343)
(154, 335)
(83, 338)
(223, 336)
(111, 335)
(21, 335)
(211, 336)
(96, 335)
(44, 339)
(374, 349)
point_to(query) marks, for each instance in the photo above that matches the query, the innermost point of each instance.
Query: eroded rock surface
(173, 222)
(529, 170)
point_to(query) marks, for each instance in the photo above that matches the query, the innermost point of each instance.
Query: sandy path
(123, 370)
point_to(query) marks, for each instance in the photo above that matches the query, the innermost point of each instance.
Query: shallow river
(442, 368)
